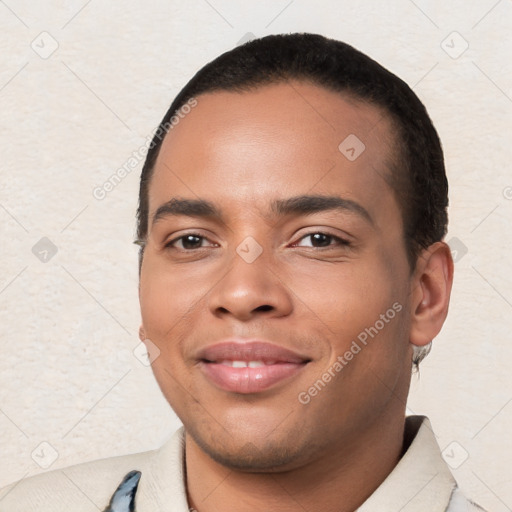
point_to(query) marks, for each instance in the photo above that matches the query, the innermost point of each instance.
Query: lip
(280, 364)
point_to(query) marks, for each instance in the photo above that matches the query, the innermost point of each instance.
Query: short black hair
(418, 177)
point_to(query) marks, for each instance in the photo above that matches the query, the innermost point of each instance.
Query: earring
(419, 353)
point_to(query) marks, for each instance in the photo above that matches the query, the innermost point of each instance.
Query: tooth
(256, 364)
(239, 364)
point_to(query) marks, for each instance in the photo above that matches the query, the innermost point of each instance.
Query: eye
(320, 240)
(189, 241)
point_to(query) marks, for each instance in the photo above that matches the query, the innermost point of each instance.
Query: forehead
(275, 141)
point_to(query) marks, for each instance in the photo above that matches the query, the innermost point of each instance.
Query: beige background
(68, 120)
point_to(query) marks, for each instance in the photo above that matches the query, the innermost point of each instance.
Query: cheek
(346, 297)
(167, 299)
(364, 307)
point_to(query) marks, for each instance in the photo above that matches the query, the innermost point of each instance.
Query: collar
(420, 481)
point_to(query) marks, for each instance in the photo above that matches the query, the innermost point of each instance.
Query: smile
(250, 367)
(246, 364)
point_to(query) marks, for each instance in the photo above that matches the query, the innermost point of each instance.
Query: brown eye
(188, 242)
(320, 240)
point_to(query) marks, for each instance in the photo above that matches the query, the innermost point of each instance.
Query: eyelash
(341, 241)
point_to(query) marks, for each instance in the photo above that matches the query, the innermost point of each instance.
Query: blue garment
(123, 499)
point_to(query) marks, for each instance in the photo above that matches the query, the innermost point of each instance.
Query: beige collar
(420, 481)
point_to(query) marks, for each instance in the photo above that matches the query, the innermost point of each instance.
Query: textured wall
(83, 84)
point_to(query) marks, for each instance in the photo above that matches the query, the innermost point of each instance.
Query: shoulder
(82, 488)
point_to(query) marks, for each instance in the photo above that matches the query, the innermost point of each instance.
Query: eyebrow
(298, 205)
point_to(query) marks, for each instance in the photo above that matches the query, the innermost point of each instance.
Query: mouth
(249, 367)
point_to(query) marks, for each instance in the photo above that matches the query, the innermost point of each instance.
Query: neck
(338, 481)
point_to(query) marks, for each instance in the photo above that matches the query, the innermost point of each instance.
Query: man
(291, 219)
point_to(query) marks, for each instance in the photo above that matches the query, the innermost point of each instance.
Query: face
(312, 294)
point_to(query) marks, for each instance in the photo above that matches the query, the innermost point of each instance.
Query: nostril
(266, 307)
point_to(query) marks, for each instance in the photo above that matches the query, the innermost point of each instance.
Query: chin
(251, 453)
(250, 458)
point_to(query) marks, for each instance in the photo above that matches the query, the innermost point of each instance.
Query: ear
(431, 288)
(142, 333)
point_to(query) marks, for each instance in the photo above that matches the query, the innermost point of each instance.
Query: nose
(250, 289)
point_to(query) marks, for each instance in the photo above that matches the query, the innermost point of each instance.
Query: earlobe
(432, 286)
(142, 333)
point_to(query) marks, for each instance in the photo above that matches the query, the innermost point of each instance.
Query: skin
(267, 451)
